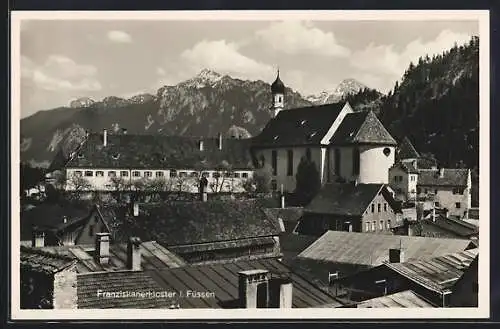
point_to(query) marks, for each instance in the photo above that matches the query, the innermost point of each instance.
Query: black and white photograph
(258, 164)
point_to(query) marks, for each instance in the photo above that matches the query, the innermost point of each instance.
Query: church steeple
(278, 94)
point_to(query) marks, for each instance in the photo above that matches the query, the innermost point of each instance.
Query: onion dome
(278, 87)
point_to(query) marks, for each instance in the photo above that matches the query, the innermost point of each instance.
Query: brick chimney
(102, 248)
(280, 292)
(104, 137)
(396, 255)
(38, 238)
(134, 254)
(254, 288)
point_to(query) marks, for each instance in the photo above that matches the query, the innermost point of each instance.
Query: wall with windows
(379, 216)
(185, 180)
(457, 200)
(403, 183)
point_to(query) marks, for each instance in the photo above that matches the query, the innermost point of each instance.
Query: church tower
(278, 94)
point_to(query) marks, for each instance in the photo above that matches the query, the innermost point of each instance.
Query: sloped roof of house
(406, 166)
(153, 256)
(345, 199)
(438, 274)
(406, 150)
(185, 223)
(403, 299)
(290, 216)
(221, 279)
(451, 177)
(456, 226)
(38, 260)
(299, 126)
(373, 249)
(362, 128)
(158, 151)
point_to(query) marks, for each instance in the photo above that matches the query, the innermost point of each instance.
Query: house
(403, 177)
(433, 279)
(110, 162)
(350, 207)
(403, 299)
(345, 253)
(199, 232)
(449, 187)
(344, 145)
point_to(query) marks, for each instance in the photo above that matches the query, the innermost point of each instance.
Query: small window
(89, 173)
(385, 206)
(124, 173)
(116, 156)
(227, 174)
(194, 174)
(373, 207)
(216, 175)
(374, 228)
(80, 156)
(378, 207)
(236, 175)
(159, 174)
(173, 173)
(108, 186)
(112, 173)
(412, 178)
(436, 204)
(78, 173)
(458, 205)
(367, 227)
(136, 173)
(99, 173)
(244, 175)
(148, 174)
(387, 151)
(381, 225)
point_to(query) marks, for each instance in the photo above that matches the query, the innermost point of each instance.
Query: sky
(62, 60)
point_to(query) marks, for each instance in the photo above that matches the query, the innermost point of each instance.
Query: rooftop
(158, 151)
(403, 299)
(299, 126)
(451, 177)
(362, 128)
(373, 249)
(290, 216)
(407, 166)
(406, 150)
(456, 226)
(221, 279)
(41, 261)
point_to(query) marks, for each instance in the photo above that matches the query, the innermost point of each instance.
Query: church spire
(278, 95)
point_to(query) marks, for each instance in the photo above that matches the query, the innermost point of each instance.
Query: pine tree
(308, 181)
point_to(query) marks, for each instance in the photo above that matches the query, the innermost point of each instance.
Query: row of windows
(382, 225)
(379, 206)
(289, 163)
(456, 190)
(158, 174)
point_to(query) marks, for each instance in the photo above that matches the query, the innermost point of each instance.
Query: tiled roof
(300, 126)
(362, 128)
(184, 223)
(406, 166)
(290, 216)
(439, 273)
(157, 152)
(403, 299)
(406, 150)
(343, 199)
(49, 216)
(373, 249)
(153, 255)
(221, 279)
(455, 226)
(451, 177)
(40, 261)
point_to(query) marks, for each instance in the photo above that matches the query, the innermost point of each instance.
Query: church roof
(278, 87)
(300, 126)
(406, 150)
(362, 128)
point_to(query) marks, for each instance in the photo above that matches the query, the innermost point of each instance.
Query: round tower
(278, 94)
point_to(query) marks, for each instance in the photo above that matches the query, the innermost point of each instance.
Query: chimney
(135, 208)
(200, 144)
(38, 238)
(105, 137)
(134, 254)
(434, 214)
(396, 255)
(280, 292)
(102, 248)
(254, 288)
(409, 229)
(441, 172)
(220, 141)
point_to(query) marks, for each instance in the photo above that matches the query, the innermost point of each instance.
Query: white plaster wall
(448, 200)
(374, 164)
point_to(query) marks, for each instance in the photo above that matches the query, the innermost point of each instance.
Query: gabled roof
(406, 166)
(153, 256)
(406, 150)
(362, 128)
(456, 226)
(373, 249)
(403, 299)
(299, 126)
(221, 279)
(438, 274)
(344, 199)
(185, 223)
(451, 177)
(38, 260)
(158, 151)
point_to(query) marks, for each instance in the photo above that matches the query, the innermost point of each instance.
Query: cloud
(296, 37)
(223, 57)
(119, 36)
(385, 59)
(60, 73)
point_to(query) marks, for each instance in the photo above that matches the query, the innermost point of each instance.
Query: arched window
(337, 162)
(355, 161)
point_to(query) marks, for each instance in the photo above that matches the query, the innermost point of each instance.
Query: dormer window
(80, 156)
(303, 122)
(276, 137)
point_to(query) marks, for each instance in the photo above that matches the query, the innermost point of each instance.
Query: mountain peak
(205, 77)
(344, 88)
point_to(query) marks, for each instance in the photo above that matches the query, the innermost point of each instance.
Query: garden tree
(224, 179)
(120, 187)
(261, 180)
(308, 181)
(155, 187)
(78, 185)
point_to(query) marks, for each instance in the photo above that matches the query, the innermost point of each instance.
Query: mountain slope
(205, 105)
(345, 88)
